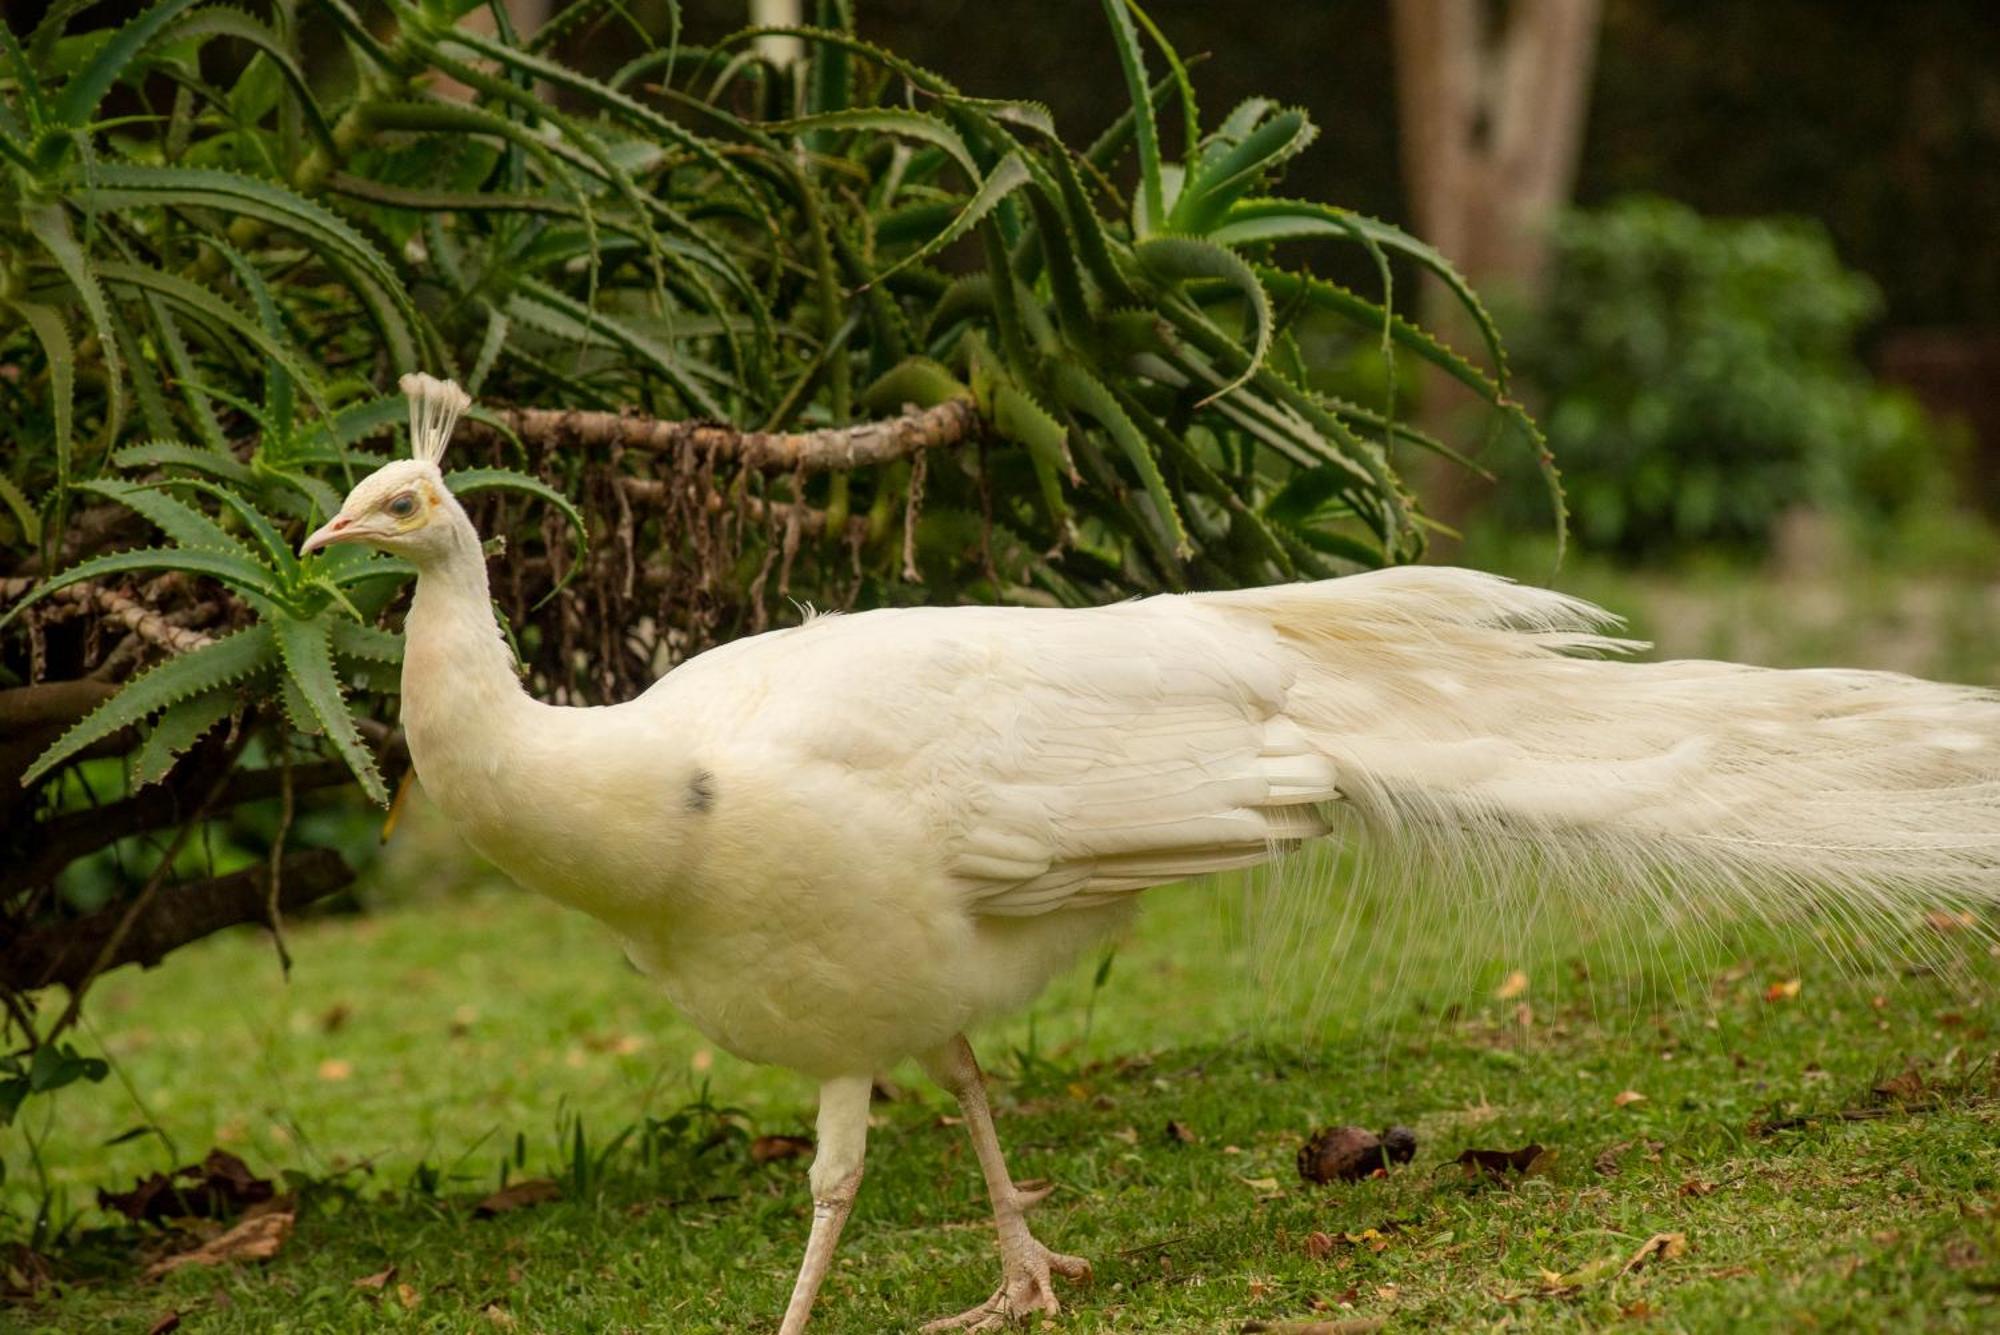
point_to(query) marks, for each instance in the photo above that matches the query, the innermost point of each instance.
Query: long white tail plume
(1490, 728)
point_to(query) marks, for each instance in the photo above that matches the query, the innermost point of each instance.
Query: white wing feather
(1055, 757)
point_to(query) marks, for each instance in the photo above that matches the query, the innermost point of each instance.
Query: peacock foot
(1027, 1286)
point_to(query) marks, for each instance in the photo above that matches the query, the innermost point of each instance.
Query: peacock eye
(403, 506)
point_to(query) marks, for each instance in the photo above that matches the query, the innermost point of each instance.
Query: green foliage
(1701, 379)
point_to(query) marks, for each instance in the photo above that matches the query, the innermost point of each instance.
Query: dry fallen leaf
(1319, 1245)
(1263, 1186)
(1607, 1159)
(772, 1149)
(1909, 1087)
(378, 1280)
(336, 1068)
(1661, 1246)
(1943, 920)
(1181, 1133)
(1626, 1097)
(408, 1296)
(1783, 991)
(165, 1323)
(1499, 1163)
(1516, 983)
(1694, 1186)
(255, 1239)
(534, 1191)
(334, 1016)
(498, 1315)
(219, 1186)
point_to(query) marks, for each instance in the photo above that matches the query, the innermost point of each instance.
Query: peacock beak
(336, 529)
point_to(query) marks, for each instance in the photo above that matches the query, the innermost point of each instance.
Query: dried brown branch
(64, 952)
(152, 626)
(73, 834)
(953, 422)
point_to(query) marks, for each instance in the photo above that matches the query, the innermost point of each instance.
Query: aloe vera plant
(742, 333)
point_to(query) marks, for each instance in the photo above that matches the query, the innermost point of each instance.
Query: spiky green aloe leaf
(470, 481)
(24, 514)
(887, 120)
(246, 576)
(1085, 393)
(49, 224)
(232, 659)
(178, 520)
(1017, 417)
(1007, 176)
(53, 334)
(177, 454)
(77, 103)
(351, 639)
(306, 645)
(1218, 183)
(1180, 259)
(1149, 203)
(178, 728)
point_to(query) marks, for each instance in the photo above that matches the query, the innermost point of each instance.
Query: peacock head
(404, 507)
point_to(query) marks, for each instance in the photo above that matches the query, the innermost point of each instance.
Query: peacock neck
(462, 701)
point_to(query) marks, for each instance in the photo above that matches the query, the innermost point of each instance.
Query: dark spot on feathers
(701, 792)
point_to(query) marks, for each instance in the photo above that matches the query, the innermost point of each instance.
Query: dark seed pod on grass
(1340, 1154)
(1348, 1153)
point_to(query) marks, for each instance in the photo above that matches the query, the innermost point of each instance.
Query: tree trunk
(1491, 127)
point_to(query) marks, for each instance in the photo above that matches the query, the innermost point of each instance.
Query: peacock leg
(1026, 1266)
(836, 1179)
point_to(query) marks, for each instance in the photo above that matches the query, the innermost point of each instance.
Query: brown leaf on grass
(1180, 1133)
(1516, 983)
(521, 1195)
(164, 1324)
(1908, 1087)
(1944, 920)
(498, 1315)
(772, 1149)
(219, 1186)
(1527, 1160)
(1350, 1325)
(376, 1281)
(24, 1272)
(334, 1017)
(1661, 1246)
(407, 1295)
(1694, 1186)
(1625, 1098)
(255, 1239)
(336, 1068)
(1786, 990)
(1606, 1162)
(1319, 1244)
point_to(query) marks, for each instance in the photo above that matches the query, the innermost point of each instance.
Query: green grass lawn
(410, 1049)
(462, 1030)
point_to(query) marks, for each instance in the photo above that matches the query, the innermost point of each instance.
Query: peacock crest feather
(435, 406)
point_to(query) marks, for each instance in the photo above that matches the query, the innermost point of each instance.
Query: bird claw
(1027, 1286)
